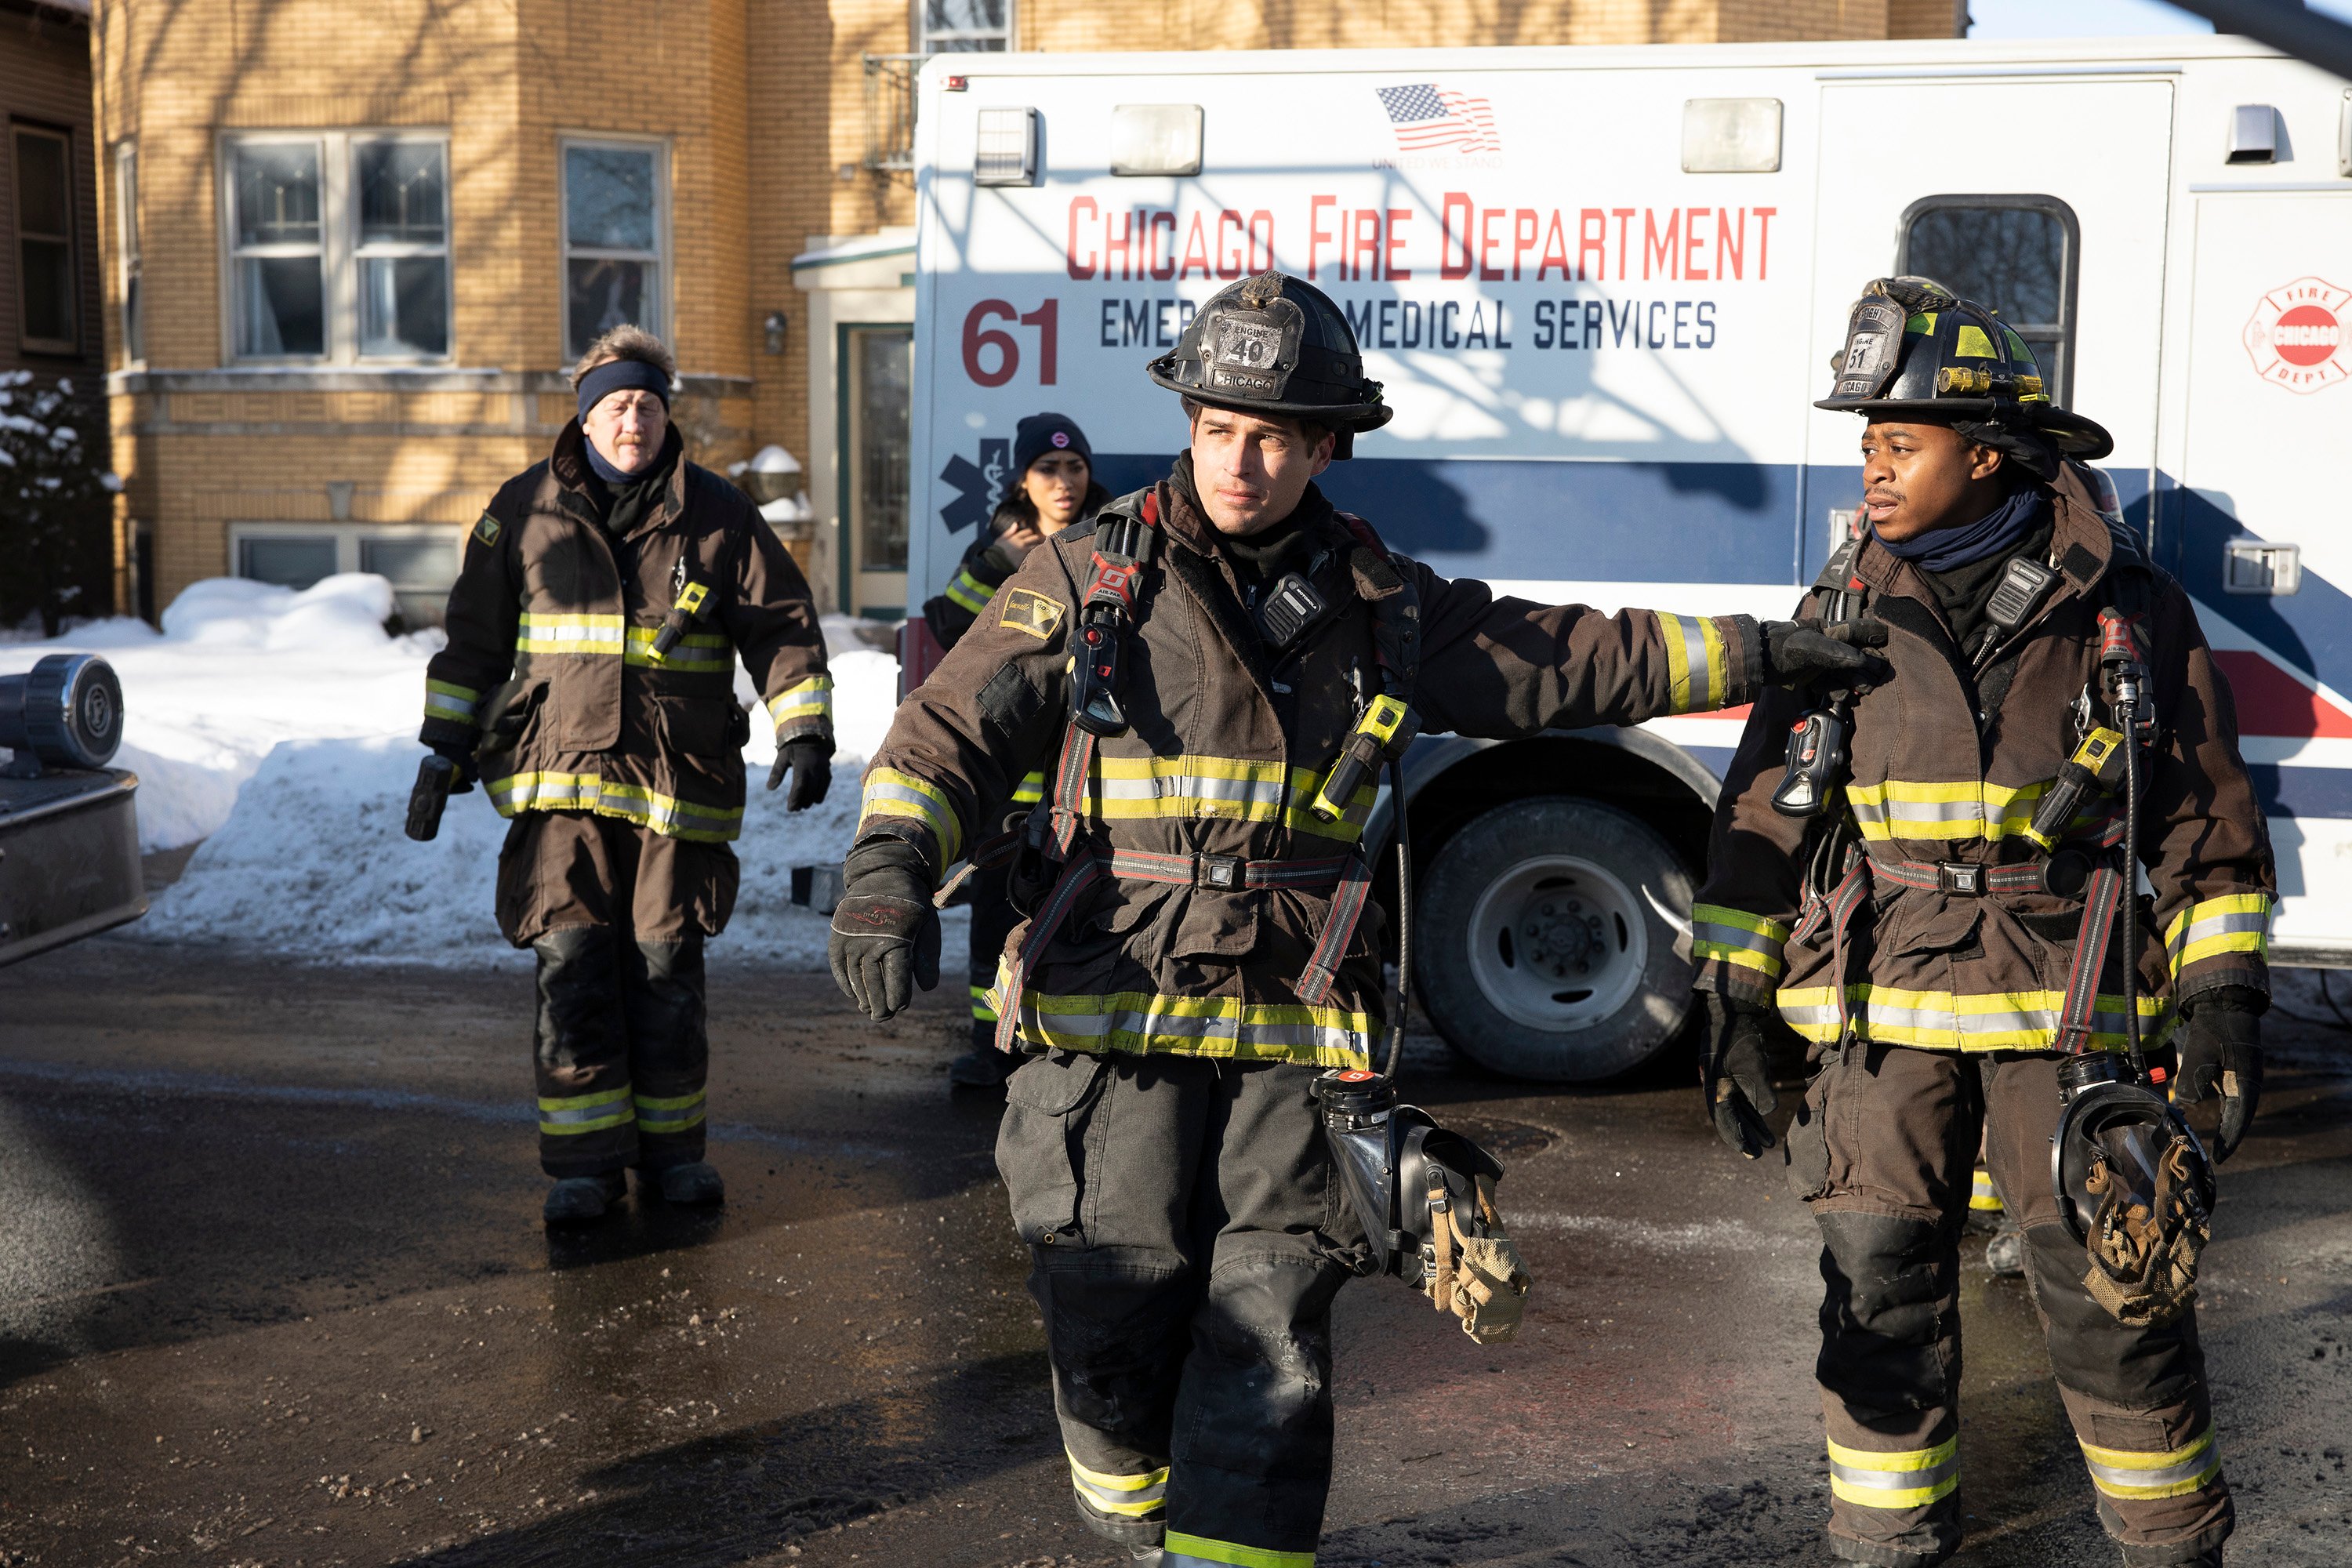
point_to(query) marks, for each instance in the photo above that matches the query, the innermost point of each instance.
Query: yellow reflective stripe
(1982, 1196)
(1219, 1026)
(2123, 1473)
(1737, 937)
(889, 792)
(1939, 1020)
(1128, 789)
(983, 1009)
(665, 815)
(1129, 1496)
(810, 699)
(673, 1113)
(718, 655)
(1913, 1477)
(969, 591)
(570, 634)
(445, 700)
(1030, 790)
(1181, 1551)
(564, 1116)
(1698, 673)
(2234, 922)
(1967, 808)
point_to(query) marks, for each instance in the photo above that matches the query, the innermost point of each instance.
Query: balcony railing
(891, 111)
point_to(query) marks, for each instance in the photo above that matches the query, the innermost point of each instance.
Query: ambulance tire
(1541, 950)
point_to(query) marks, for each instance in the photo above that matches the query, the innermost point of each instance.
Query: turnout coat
(1947, 769)
(1227, 744)
(550, 665)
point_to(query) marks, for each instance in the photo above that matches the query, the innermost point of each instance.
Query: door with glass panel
(877, 394)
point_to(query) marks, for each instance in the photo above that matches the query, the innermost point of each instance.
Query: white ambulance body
(1603, 288)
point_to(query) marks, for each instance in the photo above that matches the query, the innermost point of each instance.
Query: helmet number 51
(978, 336)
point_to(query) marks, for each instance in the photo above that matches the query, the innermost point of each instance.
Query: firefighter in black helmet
(1187, 671)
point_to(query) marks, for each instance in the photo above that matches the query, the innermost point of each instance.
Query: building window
(615, 231)
(882, 379)
(963, 27)
(2017, 254)
(45, 254)
(339, 247)
(402, 249)
(126, 230)
(420, 561)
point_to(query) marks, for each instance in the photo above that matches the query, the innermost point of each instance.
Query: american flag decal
(1426, 118)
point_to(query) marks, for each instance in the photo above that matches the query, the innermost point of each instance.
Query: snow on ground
(278, 728)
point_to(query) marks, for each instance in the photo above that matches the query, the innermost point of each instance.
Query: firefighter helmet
(1271, 344)
(1912, 346)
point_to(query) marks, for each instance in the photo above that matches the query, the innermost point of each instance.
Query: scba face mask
(1426, 1199)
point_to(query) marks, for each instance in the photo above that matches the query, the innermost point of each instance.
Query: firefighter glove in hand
(1737, 1075)
(1797, 653)
(885, 932)
(810, 762)
(460, 756)
(2221, 1049)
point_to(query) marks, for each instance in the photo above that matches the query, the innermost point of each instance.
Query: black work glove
(2221, 1049)
(461, 756)
(886, 933)
(810, 762)
(1737, 1075)
(1797, 653)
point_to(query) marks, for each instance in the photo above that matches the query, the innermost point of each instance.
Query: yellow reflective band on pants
(983, 1010)
(1219, 1026)
(444, 700)
(585, 1112)
(1899, 808)
(2124, 1474)
(570, 634)
(1127, 1497)
(1181, 1551)
(889, 792)
(1030, 790)
(1981, 1198)
(1696, 670)
(674, 1113)
(811, 699)
(1940, 1021)
(1128, 789)
(969, 591)
(1737, 937)
(1912, 1478)
(664, 815)
(697, 653)
(2235, 923)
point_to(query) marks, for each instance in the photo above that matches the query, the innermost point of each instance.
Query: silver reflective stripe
(1195, 787)
(611, 1108)
(1735, 936)
(1896, 1480)
(1935, 810)
(1703, 696)
(2188, 1472)
(2221, 925)
(1823, 1016)
(1177, 1027)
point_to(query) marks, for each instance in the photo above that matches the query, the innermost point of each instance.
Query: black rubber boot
(981, 1068)
(575, 1200)
(695, 1183)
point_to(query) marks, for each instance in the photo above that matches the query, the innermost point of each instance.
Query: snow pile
(279, 728)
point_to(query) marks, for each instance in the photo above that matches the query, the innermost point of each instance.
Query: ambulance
(1603, 288)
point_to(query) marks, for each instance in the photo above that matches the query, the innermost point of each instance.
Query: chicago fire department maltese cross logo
(2296, 337)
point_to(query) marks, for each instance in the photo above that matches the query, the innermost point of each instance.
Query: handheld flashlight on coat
(680, 620)
(1816, 763)
(2095, 770)
(429, 797)
(1386, 728)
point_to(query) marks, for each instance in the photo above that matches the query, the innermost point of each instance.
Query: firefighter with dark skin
(588, 684)
(1943, 935)
(1053, 488)
(1197, 942)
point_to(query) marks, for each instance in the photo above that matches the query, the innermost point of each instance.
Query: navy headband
(621, 376)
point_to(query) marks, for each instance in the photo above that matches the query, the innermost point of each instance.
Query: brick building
(348, 248)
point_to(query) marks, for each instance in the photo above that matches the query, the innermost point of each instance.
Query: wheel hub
(1557, 942)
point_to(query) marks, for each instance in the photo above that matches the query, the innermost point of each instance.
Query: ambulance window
(2017, 254)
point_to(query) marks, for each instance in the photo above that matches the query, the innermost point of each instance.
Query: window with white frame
(963, 27)
(419, 560)
(126, 234)
(338, 246)
(616, 236)
(45, 249)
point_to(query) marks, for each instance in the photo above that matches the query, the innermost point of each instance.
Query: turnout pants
(1187, 1238)
(616, 915)
(1883, 1150)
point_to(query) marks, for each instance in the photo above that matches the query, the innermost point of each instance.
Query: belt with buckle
(1227, 873)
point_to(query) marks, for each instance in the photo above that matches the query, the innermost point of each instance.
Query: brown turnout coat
(1228, 743)
(1945, 970)
(550, 663)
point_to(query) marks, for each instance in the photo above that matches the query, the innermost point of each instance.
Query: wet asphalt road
(273, 1290)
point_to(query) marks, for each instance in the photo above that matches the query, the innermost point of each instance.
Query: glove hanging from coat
(810, 762)
(2222, 1050)
(1737, 1072)
(1798, 653)
(885, 930)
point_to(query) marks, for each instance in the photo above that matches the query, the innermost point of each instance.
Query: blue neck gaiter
(605, 471)
(1997, 532)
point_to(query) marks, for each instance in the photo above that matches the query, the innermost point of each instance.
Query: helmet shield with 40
(1272, 345)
